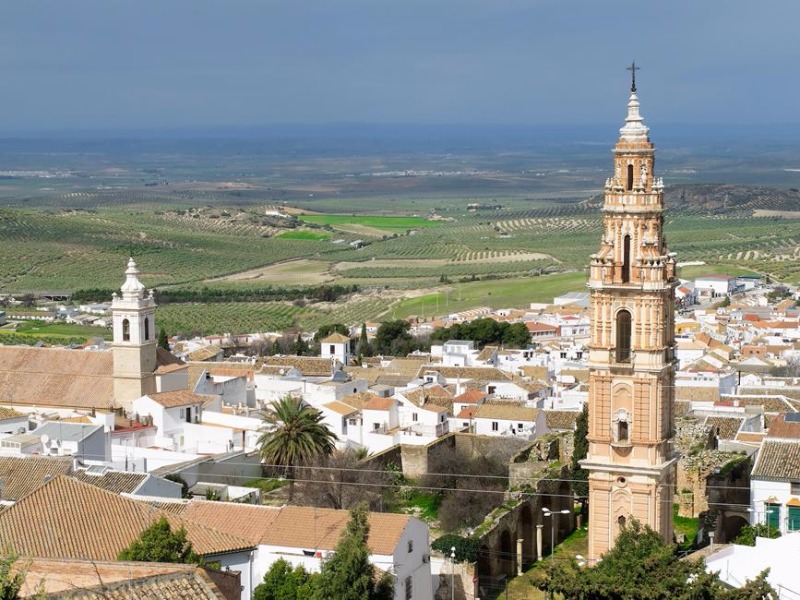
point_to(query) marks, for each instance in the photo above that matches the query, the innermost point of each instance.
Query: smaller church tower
(336, 347)
(133, 314)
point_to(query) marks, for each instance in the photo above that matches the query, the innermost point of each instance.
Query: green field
(30, 332)
(390, 224)
(304, 235)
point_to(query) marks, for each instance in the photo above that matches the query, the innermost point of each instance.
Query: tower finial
(633, 68)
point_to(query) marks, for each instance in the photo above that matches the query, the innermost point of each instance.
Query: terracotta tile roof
(470, 397)
(436, 408)
(56, 377)
(726, 427)
(465, 373)
(9, 413)
(507, 411)
(179, 398)
(118, 482)
(773, 404)
(779, 427)
(486, 353)
(224, 369)
(561, 419)
(66, 518)
(208, 353)
(581, 375)
(427, 393)
(309, 366)
(697, 393)
(357, 400)
(340, 408)
(165, 358)
(681, 408)
(534, 372)
(778, 459)
(750, 436)
(23, 474)
(90, 580)
(378, 403)
(468, 413)
(335, 338)
(295, 526)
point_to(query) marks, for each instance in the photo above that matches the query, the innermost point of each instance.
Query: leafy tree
(282, 582)
(294, 436)
(349, 575)
(393, 338)
(642, 566)
(466, 547)
(163, 340)
(747, 536)
(178, 479)
(580, 449)
(300, 346)
(10, 583)
(158, 543)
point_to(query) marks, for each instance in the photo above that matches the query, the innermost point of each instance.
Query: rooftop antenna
(633, 68)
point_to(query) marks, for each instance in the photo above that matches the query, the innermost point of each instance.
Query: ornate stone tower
(133, 315)
(631, 355)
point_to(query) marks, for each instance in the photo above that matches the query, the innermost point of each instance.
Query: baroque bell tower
(632, 284)
(133, 314)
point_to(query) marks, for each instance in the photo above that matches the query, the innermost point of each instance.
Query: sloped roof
(309, 366)
(506, 410)
(6, 414)
(340, 408)
(179, 398)
(66, 518)
(487, 353)
(23, 474)
(470, 396)
(726, 427)
(378, 403)
(779, 427)
(335, 338)
(56, 377)
(467, 413)
(778, 459)
(561, 419)
(304, 527)
(114, 580)
(118, 482)
(465, 373)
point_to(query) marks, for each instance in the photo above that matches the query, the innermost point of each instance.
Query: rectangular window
(409, 590)
(519, 425)
(331, 349)
(414, 417)
(495, 426)
(795, 488)
(491, 389)
(794, 518)
(773, 515)
(183, 413)
(376, 426)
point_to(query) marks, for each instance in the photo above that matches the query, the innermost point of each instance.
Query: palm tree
(295, 435)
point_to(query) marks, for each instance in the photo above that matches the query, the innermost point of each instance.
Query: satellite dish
(45, 439)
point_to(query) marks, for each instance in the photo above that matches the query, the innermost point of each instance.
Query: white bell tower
(133, 314)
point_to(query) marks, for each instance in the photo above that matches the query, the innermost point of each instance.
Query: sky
(93, 64)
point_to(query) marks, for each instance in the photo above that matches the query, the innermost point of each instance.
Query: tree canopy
(393, 338)
(158, 543)
(642, 566)
(349, 575)
(485, 331)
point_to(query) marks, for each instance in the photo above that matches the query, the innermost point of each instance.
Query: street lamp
(452, 572)
(551, 513)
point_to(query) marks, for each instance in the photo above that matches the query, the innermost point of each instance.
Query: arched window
(622, 431)
(629, 183)
(146, 329)
(621, 521)
(626, 259)
(623, 336)
(126, 330)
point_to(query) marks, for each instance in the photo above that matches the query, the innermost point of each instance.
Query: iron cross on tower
(633, 68)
